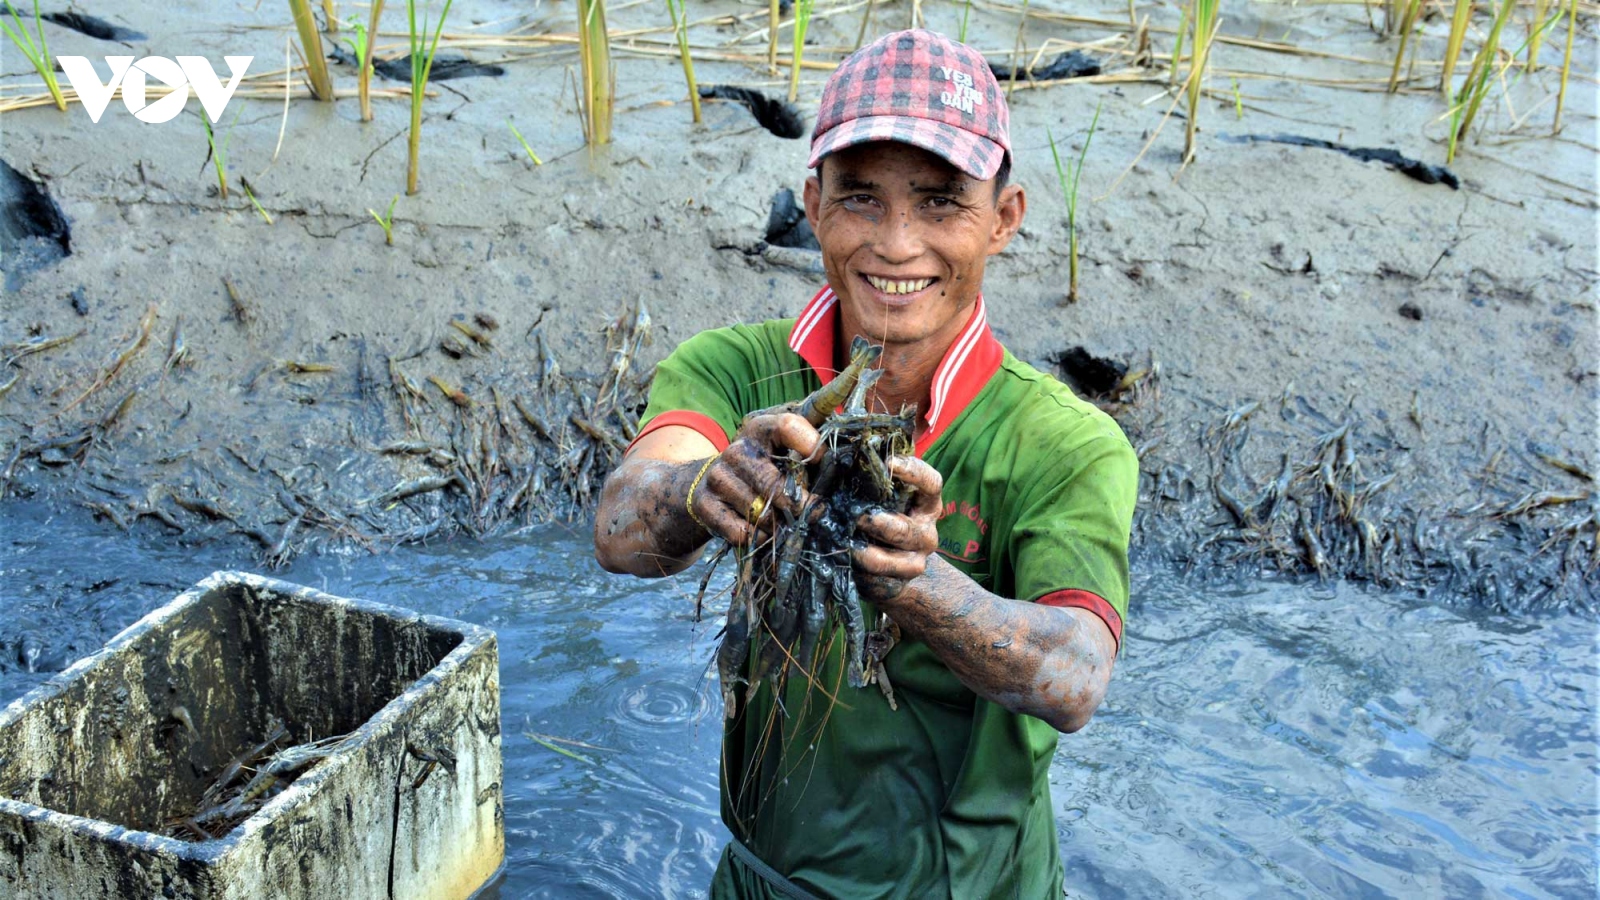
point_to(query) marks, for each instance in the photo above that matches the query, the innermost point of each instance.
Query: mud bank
(1346, 370)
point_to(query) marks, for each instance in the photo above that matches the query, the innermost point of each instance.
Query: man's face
(904, 237)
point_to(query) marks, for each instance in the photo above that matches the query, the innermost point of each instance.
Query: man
(1007, 577)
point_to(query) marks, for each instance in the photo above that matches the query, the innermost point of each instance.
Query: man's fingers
(900, 532)
(784, 431)
(722, 521)
(882, 562)
(760, 476)
(925, 479)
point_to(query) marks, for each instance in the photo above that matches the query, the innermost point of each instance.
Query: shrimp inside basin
(100, 767)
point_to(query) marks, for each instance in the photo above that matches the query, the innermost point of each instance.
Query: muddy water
(1274, 739)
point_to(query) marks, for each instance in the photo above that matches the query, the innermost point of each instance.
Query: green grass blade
(427, 69)
(550, 745)
(531, 155)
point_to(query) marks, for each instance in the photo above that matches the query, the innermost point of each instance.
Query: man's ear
(1010, 207)
(811, 196)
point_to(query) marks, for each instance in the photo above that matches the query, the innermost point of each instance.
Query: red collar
(967, 366)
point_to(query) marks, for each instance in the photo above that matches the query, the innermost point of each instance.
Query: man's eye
(941, 203)
(859, 198)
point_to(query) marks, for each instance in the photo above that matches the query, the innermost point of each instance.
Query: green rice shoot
(594, 53)
(1185, 24)
(1566, 63)
(1068, 175)
(1536, 32)
(802, 21)
(364, 76)
(311, 50)
(1476, 87)
(1408, 23)
(773, 16)
(386, 221)
(38, 54)
(1458, 35)
(219, 151)
(251, 195)
(529, 150)
(421, 65)
(1016, 51)
(966, 11)
(1205, 28)
(866, 19)
(680, 30)
(356, 39)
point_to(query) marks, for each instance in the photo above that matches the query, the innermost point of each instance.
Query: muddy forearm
(1038, 660)
(642, 526)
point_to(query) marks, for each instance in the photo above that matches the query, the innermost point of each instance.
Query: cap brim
(977, 156)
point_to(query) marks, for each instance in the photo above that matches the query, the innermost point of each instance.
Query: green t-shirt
(949, 795)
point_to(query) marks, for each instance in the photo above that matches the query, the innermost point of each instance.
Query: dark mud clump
(1088, 374)
(1072, 64)
(1394, 159)
(446, 67)
(780, 118)
(99, 29)
(787, 225)
(33, 231)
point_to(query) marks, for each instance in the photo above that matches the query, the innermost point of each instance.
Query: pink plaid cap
(920, 88)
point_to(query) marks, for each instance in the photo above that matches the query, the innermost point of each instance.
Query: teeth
(898, 287)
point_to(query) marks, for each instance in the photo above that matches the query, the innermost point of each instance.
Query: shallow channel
(1272, 739)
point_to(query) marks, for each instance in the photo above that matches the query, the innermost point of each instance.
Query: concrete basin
(98, 764)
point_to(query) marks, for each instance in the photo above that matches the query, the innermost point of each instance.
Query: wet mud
(305, 386)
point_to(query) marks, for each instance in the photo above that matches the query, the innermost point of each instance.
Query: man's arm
(1050, 662)
(643, 526)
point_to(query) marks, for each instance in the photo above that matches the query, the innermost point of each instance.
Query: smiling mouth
(897, 287)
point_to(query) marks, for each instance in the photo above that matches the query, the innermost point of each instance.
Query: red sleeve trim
(1092, 602)
(688, 418)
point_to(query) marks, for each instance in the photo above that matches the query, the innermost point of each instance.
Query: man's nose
(899, 239)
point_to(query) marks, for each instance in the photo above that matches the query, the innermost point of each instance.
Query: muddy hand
(743, 488)
(898, 545)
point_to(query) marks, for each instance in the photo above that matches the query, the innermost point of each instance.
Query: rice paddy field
(1332, 265)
